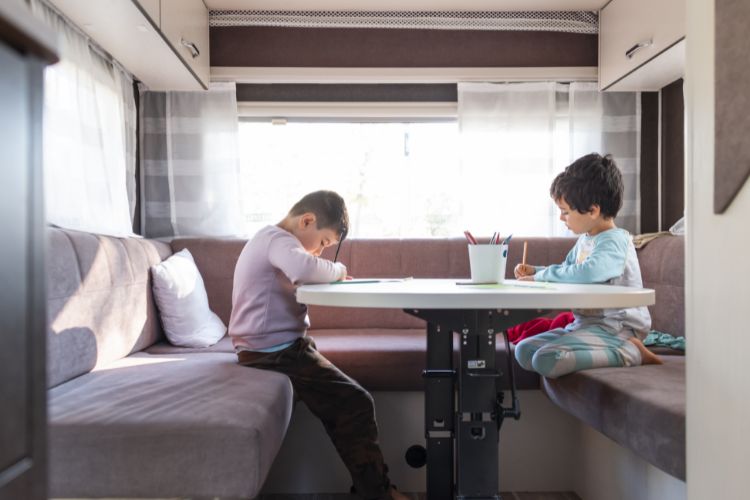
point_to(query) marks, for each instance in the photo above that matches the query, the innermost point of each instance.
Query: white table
(477, 313)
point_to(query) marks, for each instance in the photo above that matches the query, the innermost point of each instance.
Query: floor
(563, 495)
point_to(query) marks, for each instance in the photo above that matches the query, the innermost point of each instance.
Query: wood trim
(672, 154)
(649, 177)
(353, 110)
(401, 75)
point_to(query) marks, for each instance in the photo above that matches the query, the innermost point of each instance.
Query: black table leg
(474, 419)
(477, 430)
(439, 412)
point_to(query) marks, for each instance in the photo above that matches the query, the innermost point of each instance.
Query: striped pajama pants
(559, 352)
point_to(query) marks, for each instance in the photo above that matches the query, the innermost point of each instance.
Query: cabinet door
(22, 296)
(152, 9)
(624, 24)
(185, 24)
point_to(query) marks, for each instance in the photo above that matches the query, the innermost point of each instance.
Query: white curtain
(516, 137)
(190, 163)
(89, 136)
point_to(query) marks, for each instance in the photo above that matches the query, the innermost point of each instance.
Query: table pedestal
(466, 410)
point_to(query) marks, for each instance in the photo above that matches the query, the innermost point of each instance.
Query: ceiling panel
(407, 5)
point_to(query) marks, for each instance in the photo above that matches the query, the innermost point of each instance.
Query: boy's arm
(607, 261)
(300, 266)
(570, 259)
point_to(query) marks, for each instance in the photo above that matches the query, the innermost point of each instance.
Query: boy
(268, 329)
(589, 195)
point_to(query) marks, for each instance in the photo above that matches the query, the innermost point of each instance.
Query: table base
(463, 407)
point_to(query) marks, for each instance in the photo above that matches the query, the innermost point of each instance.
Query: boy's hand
(343, 274)
(522, 271)
(526, 278)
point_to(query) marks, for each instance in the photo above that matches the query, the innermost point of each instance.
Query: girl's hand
(524, 270)
(526, 278)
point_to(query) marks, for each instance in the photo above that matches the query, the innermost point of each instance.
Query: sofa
(125, 423)
(133, 416)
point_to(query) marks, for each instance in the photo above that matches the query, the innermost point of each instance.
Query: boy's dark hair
(329, 209)
(590, 180)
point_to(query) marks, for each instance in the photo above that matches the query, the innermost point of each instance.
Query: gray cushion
(393, 360)
(167, 426)
(663, 269)
(641, 408)
(378, 358)
(164, 347)
(99, 302)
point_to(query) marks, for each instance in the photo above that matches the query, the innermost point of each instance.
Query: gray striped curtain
(517, 137)
(190, 163)
(610, 122)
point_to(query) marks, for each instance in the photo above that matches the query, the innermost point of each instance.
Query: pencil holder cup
(487, 263)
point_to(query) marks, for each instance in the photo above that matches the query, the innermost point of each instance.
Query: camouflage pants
(345, 408)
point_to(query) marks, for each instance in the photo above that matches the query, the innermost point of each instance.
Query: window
(397, 178)
(488, 170)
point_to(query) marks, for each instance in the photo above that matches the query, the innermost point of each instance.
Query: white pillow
(183, 303)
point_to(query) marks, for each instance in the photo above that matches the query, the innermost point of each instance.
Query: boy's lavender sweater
(265, 311)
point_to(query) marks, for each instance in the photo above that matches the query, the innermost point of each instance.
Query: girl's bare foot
(647, 357)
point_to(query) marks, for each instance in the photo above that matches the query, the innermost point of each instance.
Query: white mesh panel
(570, 22)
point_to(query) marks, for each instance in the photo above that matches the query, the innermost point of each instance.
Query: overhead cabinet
(641, 44)
(164, 43)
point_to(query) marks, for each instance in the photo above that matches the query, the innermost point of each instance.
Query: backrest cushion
(216, 259)
(663, 268)
(99, 302)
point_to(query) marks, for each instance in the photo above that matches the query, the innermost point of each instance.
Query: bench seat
(380, 359)
(167, 425)
(640, 408)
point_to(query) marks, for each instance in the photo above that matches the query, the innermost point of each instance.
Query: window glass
(402, 180)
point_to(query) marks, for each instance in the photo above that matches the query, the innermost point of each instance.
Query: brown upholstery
(383, 349)
(215, 259)
(641, 408)
(663, 269)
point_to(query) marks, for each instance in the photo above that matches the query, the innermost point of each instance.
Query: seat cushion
(641, 408)
(381, 359)
(223, 345)
(393, 359)
(167, 426)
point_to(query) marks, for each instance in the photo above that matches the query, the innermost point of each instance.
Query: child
(589, 195)
(268, 329)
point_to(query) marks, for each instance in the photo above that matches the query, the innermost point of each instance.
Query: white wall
(718, 293)
(608, 471)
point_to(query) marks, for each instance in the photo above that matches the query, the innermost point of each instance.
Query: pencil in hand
(525, 251)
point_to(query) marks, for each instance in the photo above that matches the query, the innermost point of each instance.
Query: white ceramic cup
(487, 263)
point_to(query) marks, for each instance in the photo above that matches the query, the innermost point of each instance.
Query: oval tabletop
(459, 294)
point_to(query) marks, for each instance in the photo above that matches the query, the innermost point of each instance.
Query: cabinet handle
(193, 48)
(638, 46)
